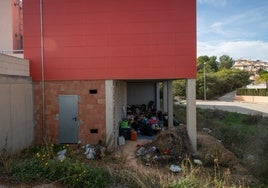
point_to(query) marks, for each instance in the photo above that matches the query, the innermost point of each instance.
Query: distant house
(89, 59)
(253, 67)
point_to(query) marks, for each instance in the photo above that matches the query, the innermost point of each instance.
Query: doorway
(68, 120)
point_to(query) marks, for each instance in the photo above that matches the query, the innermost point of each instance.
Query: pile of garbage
(170, 147)
(145, 120)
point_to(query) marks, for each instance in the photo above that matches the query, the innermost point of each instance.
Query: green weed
(44, 166)
(245, 135)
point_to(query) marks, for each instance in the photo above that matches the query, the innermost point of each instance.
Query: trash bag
(90, 154)
(61, 155)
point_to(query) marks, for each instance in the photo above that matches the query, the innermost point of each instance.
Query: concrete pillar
(158, 96)
(111, 139)
(165, 96)
(191, 111)
(116, 103)
(170, 103)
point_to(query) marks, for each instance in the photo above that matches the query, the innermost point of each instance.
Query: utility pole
(205, 94)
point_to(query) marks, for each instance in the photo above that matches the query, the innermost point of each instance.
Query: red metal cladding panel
(104, 39)
(31, 36)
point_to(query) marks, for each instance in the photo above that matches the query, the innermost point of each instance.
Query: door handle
(75, 119)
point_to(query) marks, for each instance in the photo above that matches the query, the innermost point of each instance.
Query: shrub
(185, 182)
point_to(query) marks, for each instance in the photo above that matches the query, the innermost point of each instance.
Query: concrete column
(170, 103)
(191, 111)
(158, 96)
(165, 96)
(111, 139)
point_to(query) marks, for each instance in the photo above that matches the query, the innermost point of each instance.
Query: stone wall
(253, 99)
(91, 110)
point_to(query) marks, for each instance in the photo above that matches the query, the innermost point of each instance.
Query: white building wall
(141, 92)
(6, 25)
(16, 117)
(11, 28)
(10, 65)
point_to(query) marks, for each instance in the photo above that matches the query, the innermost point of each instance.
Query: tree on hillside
(226, 62)
(233, 78)
(217, 79)
(179, 87)
(200, 62)
(210, 63)
(264, 76)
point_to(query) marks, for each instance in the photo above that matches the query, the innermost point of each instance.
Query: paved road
(233, 106)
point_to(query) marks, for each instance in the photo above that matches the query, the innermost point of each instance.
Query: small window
(93, 91)
(94, 131)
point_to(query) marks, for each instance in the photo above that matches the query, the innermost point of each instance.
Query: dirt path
(129, 151)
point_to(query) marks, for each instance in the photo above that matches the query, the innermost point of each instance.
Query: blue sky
(238, 28)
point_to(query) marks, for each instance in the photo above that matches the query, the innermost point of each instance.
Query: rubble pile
(212, 151)
(169, 147)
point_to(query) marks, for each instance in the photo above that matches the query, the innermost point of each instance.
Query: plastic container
(134, 135)
(121, 140)
(124, 124)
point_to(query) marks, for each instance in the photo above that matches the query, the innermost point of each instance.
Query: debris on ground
(61, 155)
(94, 152)
(175, 168)
(172, 147)
(198, 162)
(207, 130)
(89, 152)
(169, 147)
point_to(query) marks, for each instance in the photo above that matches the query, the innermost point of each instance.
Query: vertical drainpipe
(42, 70)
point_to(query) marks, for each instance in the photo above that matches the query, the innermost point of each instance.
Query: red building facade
(74, 46)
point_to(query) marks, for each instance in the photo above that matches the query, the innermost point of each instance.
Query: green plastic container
(124, 124)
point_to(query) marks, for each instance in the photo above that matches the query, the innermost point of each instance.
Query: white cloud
(242, 25)
(254, 50)
(217, 27)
